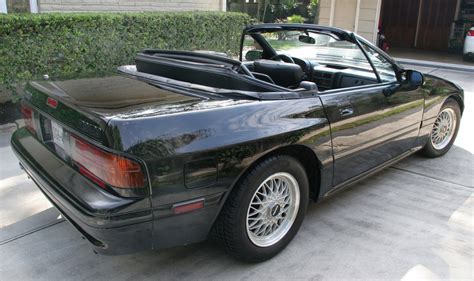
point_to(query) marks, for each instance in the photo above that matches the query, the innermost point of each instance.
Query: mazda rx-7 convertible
(186, 145)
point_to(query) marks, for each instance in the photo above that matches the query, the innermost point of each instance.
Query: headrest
(284, 74)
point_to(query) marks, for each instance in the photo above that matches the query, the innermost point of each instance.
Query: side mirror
(253, 55)
(412, 80)
(306, 39)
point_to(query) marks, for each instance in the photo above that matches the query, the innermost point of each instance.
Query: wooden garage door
(399, 19)
(435, 24)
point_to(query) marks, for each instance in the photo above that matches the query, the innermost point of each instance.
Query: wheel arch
(303, 154)
(457, 99)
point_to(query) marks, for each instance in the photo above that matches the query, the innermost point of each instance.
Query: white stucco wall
(128, 5)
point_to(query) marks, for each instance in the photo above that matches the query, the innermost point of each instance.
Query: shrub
(295, 19)
(78, 45)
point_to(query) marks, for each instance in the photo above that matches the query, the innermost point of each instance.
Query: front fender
(436, 91)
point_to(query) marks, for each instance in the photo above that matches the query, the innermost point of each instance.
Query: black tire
(230, 229)
(429, 150)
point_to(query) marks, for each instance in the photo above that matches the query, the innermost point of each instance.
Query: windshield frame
(255, 31)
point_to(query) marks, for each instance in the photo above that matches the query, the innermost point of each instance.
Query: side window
(251, 49)
(383, 66)
(330, 51)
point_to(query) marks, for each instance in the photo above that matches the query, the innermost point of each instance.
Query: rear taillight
(470, 33)
(103, 167)
(27, 114)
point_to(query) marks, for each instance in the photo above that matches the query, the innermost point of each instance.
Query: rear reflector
(470, 33)
(188, 207)
(27, 114)
(103, 167)
(91, 176)
(52, 102)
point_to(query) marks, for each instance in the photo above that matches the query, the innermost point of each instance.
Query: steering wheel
(283, 57)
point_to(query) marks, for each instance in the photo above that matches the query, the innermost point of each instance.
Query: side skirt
(344, 185)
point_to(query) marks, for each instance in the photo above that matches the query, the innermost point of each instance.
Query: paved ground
(413, 221)
(426, 55)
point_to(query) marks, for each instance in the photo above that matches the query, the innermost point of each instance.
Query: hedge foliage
(78, 45)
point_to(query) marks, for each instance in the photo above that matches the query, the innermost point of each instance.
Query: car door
(371, 124)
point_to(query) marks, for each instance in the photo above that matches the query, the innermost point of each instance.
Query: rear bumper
(112, 224)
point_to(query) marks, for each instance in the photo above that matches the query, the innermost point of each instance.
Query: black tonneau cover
(209, 92)
(202, 69)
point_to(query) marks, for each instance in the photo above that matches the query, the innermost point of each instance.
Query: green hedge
(78, 45)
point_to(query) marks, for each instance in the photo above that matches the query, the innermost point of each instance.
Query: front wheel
(445, 129)
(265, 210)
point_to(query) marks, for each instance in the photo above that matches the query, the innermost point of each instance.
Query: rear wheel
(445, 129)
(265, 210)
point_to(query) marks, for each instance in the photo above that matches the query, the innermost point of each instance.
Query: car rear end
(469, 45)
(102, 192)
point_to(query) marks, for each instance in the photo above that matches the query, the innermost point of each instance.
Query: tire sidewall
(282, 164)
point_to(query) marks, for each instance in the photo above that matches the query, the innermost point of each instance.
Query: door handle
(346, 111)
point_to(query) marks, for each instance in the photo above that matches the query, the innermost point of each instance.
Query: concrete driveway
(412, 221)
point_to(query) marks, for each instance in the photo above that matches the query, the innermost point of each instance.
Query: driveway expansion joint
(431, 177)
(26, 233)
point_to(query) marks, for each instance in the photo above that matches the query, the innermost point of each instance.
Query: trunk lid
(85, 106)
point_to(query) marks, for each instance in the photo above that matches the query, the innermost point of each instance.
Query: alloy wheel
(443, 128)
(273, 209)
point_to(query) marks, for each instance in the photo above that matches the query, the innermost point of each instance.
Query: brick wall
(18, 6)
(127, 5)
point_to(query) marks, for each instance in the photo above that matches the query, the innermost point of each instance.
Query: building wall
(128, 5)
(367, 26)
(324, 12)
(18, 6)
(345, 14)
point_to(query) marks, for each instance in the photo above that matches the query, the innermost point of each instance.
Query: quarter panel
(234, 136)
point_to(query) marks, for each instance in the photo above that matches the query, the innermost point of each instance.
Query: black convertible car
(186, 145)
